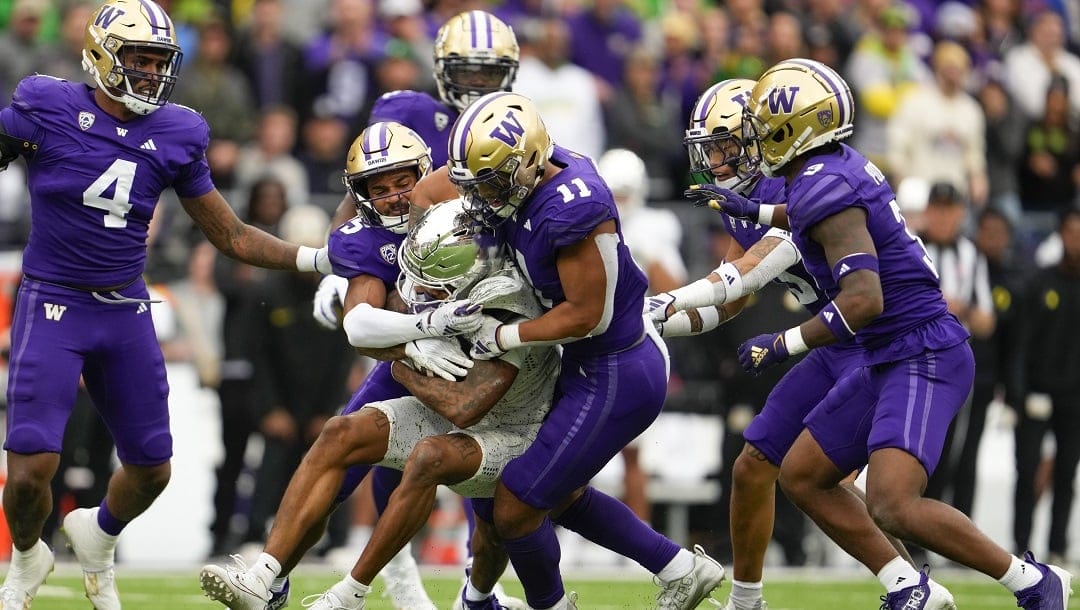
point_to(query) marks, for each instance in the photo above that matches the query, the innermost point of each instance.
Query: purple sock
(108, 522)
(383, 483)
(536, 562)
(353, 476)
(470, 519)
(608, 522)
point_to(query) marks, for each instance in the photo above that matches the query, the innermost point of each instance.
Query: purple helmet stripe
(829, 78)
(702, 109)
(159, 21)
(489, 34)
(459, 134)
(472, 27)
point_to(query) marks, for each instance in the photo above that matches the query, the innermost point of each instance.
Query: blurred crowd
(971, 107)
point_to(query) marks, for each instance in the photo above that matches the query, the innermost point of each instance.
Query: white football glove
(438, 356)
(452, 318)
(656, 306)
(485, 341)
(329, 301)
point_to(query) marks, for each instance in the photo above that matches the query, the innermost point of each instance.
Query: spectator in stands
(830, 20)
(937, 132)
(21, 48)
(1032, 67)
(271, 155)
(244, 288)
(784, 38)
(325, 141)
(882, 70)
(1004, 144)
(342, 59)
(1002, 27)
(996, 364)
(64, 59)
(1050, 164)
(220, 92)
(642, 120)
(299, 372)
(1051, 390)
(602, 37)
(403, 21)
(269, 59)
(564, 93)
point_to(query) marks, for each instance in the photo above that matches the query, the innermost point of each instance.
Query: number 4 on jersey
(122, 174)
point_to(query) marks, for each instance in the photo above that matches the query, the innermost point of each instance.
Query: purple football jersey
(360, 249)
(562, 212)
(427, 116)
(95, 180)
(915, 317)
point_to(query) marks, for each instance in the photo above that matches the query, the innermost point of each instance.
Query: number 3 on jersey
(121, 174)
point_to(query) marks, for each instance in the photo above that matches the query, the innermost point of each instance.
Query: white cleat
(940, 597)
(234, 586)
(330, 601)
(690, 590)
(22, 582)
(96, 552)
(403, 584)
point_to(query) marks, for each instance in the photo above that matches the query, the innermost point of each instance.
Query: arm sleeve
(367, 326)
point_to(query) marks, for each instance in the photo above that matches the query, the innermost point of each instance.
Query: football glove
(723, 200)
(762, 352)
(329, 300)
(485, 341)
(438, 356)
(452, 318)
(656, 307)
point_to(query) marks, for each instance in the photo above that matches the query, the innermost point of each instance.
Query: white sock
(403, 559)
(22, 561)
(266, 569)
(349, 589)
(1020, 575)
(473, 594)
(897, 574)
(745, 594)
(679, 566)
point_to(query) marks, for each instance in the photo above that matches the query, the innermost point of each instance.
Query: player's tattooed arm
(236, 239)
(396, 352)
(464, 402)
(431, 189)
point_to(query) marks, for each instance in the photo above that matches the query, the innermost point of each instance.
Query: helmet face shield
(149, 86)
(488, 197)
(443, 256)
(722, 151)
(468, 80)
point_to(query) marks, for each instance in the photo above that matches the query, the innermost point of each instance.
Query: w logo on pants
(54, 312)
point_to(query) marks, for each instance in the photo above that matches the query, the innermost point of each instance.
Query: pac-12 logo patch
(389, 253)
(441, 120)
(86, 120)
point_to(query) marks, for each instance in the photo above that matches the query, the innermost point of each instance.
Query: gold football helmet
(797, 105)
(714, 136)
(383, 147)
(444, 253)
(499, 148)
(475, 54)
(130, 49)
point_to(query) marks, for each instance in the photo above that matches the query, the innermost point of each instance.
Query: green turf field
(180, 591)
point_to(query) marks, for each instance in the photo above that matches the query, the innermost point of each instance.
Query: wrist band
(305, 258)
(765, 214)
(793, 339)
(508, 337)
(835, 322)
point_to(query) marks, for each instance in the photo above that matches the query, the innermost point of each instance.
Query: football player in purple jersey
(475, 53)
(757, 254)
(382, 166)
(891, 413)
(99, 158)
(550, 207)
